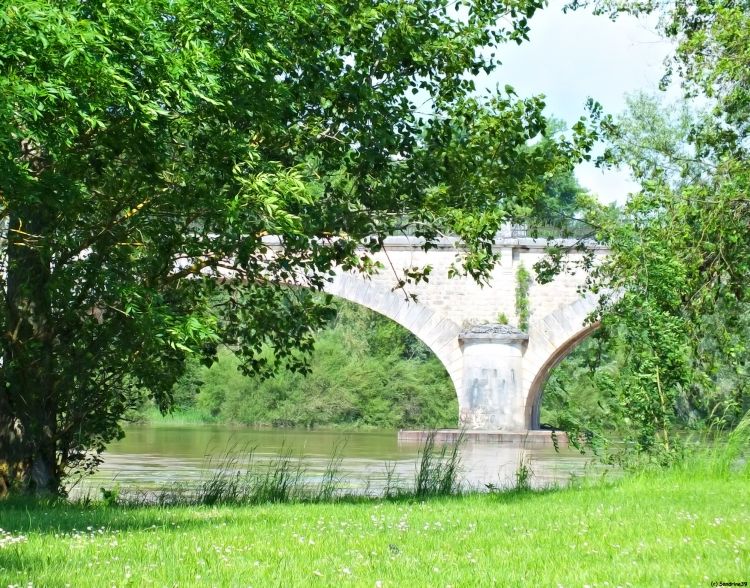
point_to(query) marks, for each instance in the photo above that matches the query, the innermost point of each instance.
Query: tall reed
(439, 469)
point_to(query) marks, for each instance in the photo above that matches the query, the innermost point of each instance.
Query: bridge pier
(492, 394)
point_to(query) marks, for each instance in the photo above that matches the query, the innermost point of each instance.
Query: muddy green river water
(157, 456)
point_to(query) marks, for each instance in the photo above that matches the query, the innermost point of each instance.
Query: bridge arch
(440, 334)
(552, 339)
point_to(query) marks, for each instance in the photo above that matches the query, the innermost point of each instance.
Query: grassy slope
(676, 529)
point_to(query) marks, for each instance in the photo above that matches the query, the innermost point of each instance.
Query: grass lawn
(669, 529)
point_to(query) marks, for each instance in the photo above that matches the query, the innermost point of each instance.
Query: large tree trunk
(28, 407)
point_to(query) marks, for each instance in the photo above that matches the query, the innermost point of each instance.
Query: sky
(572, 56)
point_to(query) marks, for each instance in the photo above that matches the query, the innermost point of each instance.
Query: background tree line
(365, 371)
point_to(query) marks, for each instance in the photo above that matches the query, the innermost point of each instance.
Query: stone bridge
(498, 370)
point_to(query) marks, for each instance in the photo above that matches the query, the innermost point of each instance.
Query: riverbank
(688, 526)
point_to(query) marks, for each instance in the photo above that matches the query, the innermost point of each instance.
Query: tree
(148, 149)
(672, 348)
(681, 251)
(565, 199)
(677, 206)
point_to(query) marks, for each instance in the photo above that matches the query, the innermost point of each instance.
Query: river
(162, 456)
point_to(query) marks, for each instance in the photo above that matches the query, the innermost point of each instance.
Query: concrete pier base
(522, 439)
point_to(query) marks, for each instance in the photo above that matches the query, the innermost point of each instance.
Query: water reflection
(151, 457)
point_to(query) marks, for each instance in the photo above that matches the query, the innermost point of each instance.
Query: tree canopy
(148, 147)
(679, 269)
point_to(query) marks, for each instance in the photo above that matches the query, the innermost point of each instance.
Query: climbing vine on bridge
(523, 305)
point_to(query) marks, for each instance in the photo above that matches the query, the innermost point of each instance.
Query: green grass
(685, 527)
